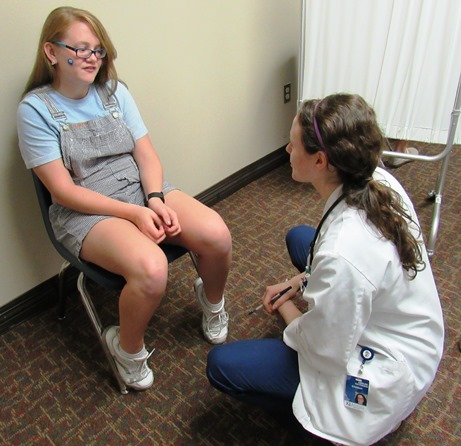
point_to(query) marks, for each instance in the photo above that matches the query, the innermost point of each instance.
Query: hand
(149, 223)
(274, 290)
(168, 217)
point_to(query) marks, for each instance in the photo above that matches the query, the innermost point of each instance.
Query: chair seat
(113, 281)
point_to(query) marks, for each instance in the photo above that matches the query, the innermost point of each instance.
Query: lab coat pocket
(391, 384)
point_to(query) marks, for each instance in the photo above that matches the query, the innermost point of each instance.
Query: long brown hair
(54, 28)
(344, 126)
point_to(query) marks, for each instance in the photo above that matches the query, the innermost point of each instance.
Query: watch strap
(155, 195)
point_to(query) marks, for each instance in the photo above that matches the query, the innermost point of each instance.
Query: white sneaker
(214, 324)
(135, 373)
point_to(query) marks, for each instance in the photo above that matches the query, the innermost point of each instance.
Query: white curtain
(402, 56)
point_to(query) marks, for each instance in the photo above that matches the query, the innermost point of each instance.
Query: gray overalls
(98, 155)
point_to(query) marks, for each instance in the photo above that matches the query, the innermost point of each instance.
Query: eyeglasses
(85, 53)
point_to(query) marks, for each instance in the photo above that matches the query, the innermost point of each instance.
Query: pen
(274, 299)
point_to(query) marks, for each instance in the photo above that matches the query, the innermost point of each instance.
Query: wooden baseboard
(243, 177)
(38, 299)
(44, 295)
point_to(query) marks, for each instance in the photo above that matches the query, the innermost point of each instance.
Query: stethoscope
(366, 353)
(304, 281)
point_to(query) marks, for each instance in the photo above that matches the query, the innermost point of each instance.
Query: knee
(298, 241)
(223, 239)
(216, 368)
(297, 234)
(150, 275)
(218, 237)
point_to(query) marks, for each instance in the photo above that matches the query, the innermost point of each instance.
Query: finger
(158, 238)
(165, 217)
(156, 233)
(173, 230)
(283, 299)
(158, 222)
(266, 300)
(174, 219)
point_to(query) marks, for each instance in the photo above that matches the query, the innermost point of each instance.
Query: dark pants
(263, 372)
(298, 240)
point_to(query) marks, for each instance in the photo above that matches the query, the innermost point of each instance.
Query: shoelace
(216, 322)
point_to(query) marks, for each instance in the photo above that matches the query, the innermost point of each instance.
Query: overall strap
(42, 93)
(108, 101)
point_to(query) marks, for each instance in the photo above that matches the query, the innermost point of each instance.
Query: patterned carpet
(57, 389)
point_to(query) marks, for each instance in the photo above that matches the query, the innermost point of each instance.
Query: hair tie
(362, 182)
(316, 127)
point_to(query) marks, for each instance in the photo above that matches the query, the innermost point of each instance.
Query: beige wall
(207, 76)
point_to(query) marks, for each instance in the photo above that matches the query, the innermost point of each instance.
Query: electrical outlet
(286, 93)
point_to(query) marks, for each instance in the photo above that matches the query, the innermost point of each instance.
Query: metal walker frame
(444, 155)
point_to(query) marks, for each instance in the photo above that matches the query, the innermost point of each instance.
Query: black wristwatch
(155, 195)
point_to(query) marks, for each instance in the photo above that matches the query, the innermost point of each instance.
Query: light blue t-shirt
(39, 133)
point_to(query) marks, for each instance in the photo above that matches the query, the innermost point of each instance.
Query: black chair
(91, 271)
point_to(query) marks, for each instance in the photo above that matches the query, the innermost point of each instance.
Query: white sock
(124, 355)
(214, 308)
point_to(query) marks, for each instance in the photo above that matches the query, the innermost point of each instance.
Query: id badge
(356, 393)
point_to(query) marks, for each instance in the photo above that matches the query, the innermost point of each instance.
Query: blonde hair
(54, 28)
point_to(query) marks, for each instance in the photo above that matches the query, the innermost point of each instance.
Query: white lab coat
(359, 295)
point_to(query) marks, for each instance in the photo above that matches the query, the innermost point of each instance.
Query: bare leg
(204, 233)
(401, 146)
(118, 246)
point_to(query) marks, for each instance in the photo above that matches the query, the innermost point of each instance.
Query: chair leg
(62, 297)
(97, 325)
